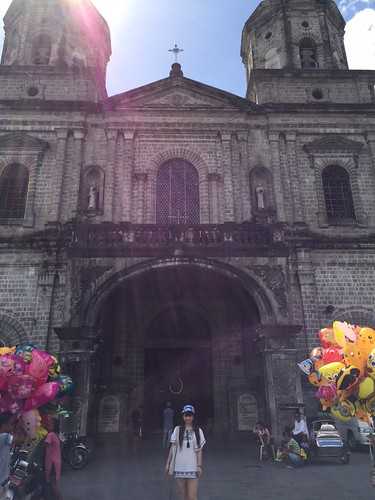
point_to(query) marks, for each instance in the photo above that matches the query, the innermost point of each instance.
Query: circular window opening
(32, 91)
(305, 24)
(268, 35)
(317, 94)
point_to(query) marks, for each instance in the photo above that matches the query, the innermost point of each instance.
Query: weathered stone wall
(26, 83)
(335, 86)
(226, 139)
(28, 294)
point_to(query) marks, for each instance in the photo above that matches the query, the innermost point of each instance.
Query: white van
(355, 432)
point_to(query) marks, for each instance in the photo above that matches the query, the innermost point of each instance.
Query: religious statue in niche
(260, 197)
(93, 198)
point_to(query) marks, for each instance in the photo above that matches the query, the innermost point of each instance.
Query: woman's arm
(170, 456)
(199, 462)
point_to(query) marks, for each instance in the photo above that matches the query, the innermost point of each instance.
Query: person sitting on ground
(281, 448)
(265, 439)
(292, 451)
(300, 430)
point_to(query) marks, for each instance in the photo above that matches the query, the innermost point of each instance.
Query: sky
(209, 31)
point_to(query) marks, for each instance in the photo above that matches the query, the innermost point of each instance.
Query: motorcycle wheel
(345, 459)
(78, 457)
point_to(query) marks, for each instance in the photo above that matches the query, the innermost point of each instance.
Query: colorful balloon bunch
(29, 380)
(343, 370)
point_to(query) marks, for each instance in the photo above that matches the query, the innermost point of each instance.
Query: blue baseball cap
(188, 409)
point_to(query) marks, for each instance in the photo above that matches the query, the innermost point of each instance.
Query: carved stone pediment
(18, 141)
(333, 143)
(181, 99)
(177, 93)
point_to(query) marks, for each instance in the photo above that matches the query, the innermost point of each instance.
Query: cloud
(360, 39)
(352, 6)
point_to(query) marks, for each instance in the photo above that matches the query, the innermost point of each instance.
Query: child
(265, 440)
(293, 452)
(53, 461)
(6, 440)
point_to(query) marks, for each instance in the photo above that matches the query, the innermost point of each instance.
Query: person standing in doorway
(137, 431)
(168, 419)
(185, 455)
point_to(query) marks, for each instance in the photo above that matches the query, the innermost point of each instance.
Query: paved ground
(230, 474)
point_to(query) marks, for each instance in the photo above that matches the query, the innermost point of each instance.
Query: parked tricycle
(326, 442)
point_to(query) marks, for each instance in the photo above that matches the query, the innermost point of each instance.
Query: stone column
(127, 194)
(86, 394)
(327, 47)
(278, 184)
(110, 174)
(295, 181)
(140, 180)
(61, 136)
(79, 361)
(73, 188)
(309, 294)
(244, 176)
(213, 183)
(226, 142)
(371, 144)
(282, 378)
(282, 386)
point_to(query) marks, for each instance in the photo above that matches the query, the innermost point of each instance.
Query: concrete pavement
(230, 473)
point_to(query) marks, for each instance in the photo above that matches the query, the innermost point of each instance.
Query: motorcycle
(26, 479)
(75, 451)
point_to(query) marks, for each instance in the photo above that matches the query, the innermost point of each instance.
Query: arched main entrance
(177, 358)
(181, 334)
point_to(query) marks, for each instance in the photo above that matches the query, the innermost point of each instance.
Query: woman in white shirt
(185, 456)
(300, 430)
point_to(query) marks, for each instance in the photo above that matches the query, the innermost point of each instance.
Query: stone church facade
(177, 242)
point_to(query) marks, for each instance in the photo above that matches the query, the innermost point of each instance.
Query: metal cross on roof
(176, 51)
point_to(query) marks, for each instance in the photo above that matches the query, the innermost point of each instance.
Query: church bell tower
(292, 36)
(62, 45)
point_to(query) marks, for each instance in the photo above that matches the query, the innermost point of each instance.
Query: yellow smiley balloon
(330, 371)
(339, 334)
(366, 388)
(354, 356)
(366, 340)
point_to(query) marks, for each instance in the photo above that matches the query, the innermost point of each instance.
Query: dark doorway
(180, 376)
(180, 334)
(177, 365)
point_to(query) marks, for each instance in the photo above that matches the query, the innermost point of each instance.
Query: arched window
(308, 54)
(338, 194)
(41, 53)
(14, 183)
(177, 193)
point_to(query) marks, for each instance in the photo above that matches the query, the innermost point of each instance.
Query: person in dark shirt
(136, 423)
(168, 424)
